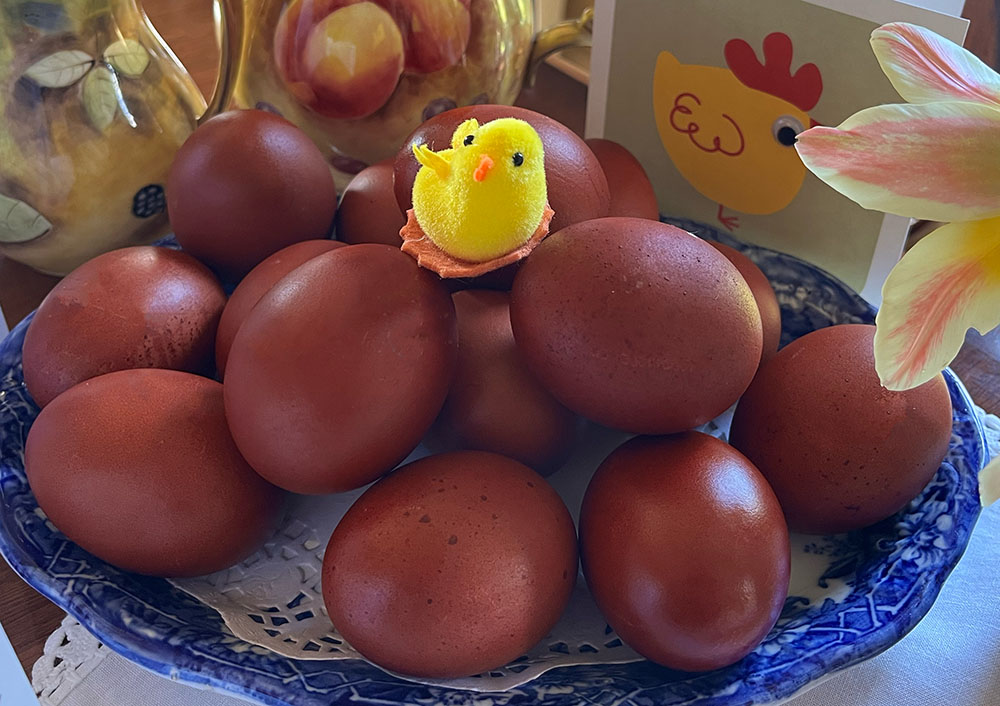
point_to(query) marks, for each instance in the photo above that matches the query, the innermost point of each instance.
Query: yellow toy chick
(485, 197)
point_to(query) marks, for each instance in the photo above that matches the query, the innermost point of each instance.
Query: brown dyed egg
(451, 566)
(139, 469)
(631, 191)
(500, 280)
(141, 307)
(577, 187)
(685, 550)
(495, 403)
(636, 324)
(840, 451)
(258, 283)
(368, 212)
(244, 185)
(763, 293)
(340, 369)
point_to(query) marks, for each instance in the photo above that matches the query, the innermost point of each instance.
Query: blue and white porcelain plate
(871, 586)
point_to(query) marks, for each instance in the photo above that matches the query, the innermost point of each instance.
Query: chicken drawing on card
(708, 132)
(710, 96)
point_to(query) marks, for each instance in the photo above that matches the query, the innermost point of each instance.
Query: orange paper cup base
(417, 245)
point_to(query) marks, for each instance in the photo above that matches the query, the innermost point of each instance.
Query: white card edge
(600, 68)
(14, 687)
(888, 249)
(883, 11)
(956, 11)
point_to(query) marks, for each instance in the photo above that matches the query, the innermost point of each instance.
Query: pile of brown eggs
(336, 358)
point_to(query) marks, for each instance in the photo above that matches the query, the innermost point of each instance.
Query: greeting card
(710, 94)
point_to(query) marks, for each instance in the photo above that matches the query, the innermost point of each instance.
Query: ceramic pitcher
(93, 104)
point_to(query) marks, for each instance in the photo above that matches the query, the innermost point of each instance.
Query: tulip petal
(989, 483)
(948, 282)
(924, 67)
(939, 161)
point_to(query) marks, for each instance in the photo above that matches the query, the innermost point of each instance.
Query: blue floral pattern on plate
(889, 574)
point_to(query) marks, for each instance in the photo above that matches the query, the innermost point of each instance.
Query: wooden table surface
(186, 25)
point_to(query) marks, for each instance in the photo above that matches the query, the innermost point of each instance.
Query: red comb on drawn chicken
(731, 131)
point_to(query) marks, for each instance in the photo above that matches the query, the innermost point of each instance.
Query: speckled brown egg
(258, 283)
(244, 185)
(685, 550)
(631, 191)
(368, 212)
(500, 280)
(451, 566)
(840, 451)
(141, 307)
(138, 468)
(636, 324)
(495, 403)
(340, 369)
(763, 293)
(577, 187)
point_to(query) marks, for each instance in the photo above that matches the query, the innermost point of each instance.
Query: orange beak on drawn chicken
(731, 131)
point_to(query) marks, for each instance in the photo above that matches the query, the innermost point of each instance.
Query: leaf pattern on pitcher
(19, 222)
(100, 96)
(64, 68)
(128, 57)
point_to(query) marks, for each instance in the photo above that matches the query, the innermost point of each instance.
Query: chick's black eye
(785, 129)
(518, 159)
(786, 136)
(467, 140)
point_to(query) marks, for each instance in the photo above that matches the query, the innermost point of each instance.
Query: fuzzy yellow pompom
(485, 197)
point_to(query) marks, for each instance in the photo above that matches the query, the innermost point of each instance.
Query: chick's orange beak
(485, 165)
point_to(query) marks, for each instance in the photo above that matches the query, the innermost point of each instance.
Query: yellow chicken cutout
(731, 131)
(484, 199)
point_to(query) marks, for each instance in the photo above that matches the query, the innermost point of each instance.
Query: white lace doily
(71, 653)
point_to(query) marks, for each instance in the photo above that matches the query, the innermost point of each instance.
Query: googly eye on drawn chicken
(726, 128)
